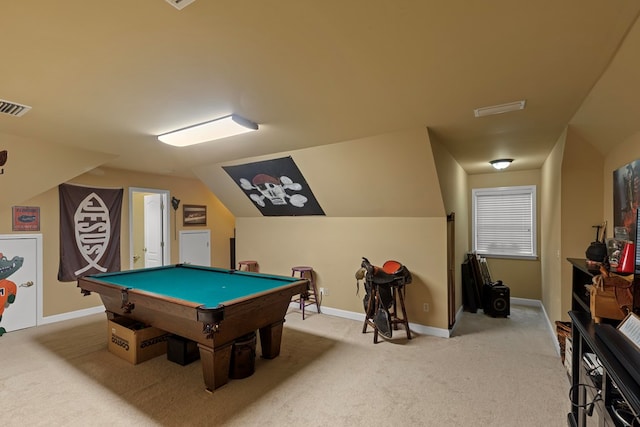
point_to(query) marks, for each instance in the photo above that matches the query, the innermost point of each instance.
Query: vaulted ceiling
(109, 75)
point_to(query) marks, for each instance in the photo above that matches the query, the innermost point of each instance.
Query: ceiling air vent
(180, 4)
(13, 109)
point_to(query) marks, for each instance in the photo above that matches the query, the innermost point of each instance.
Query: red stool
(248, 266)
(311, 295)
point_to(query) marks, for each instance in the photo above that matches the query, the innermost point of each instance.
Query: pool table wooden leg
(215, 365)
(270, 339)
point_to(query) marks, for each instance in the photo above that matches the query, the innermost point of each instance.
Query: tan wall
(389, 175)
(64, 297)
(522, 276)
(334, 247)
(454, 190)
(582, 208)
(34, 167)
(551, 261)
(382, 200)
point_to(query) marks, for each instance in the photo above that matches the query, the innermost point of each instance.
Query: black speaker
(496, 300)
(470, 296)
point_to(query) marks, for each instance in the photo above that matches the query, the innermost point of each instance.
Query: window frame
(529, 190)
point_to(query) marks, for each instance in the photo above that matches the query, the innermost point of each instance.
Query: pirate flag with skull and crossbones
(276, 187)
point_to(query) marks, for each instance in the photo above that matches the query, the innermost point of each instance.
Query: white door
(23, 312)
(153, 230)
(195, 247)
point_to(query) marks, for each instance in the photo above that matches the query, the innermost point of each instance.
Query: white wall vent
(12, 108)
(180, 4)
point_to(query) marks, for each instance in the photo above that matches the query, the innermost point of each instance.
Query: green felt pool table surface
(208, 286)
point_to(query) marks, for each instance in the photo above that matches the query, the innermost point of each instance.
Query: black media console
(605, 381)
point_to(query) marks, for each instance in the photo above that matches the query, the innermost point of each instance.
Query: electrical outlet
(425, 306)
(324, 292)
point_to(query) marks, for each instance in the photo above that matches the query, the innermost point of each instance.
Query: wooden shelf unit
(582, 275)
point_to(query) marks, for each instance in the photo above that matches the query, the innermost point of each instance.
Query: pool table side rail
(196, 267)
(91, 284)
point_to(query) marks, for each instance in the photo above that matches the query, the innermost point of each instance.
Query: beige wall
(582, 208)
(64, 297)
(551, 261)
(334, 247)
(387, 188)
(34, 167)
(522, 276)
(454, 190)
(389, 175)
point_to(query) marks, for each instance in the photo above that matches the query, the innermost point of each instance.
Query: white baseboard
(526, 301)
(421, 329)
(71, 315)
(552, 329)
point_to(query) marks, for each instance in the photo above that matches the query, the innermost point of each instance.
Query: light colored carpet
(493, 372)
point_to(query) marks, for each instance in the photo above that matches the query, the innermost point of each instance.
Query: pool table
(211, 306)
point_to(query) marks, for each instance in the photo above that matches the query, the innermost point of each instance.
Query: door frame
(152, 222)
(451, 269)
(39, 270)
(166, 251)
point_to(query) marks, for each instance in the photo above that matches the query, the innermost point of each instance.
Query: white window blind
(504, 221)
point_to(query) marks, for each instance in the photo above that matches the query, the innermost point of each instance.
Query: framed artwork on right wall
(626, 197)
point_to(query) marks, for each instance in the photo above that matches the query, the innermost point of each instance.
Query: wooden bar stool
(311, 295)
(248, 266)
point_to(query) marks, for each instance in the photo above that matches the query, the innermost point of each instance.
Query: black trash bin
(243, 357)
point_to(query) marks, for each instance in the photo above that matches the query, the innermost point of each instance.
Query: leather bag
(597, 250)
(611, 296)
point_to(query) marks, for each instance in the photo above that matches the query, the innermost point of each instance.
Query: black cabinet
(582, 274)
(604, 386)
(603, 390)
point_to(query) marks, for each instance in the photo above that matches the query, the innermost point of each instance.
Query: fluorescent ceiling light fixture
(499, 109)
(222, 127)
(501, 163)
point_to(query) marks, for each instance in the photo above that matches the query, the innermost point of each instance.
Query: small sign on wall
(26, 218)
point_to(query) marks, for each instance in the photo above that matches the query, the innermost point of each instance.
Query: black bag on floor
(382, 322)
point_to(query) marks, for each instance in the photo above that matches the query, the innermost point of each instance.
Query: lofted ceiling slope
(109, 75)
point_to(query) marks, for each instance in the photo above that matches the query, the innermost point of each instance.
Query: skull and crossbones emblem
(273, 189)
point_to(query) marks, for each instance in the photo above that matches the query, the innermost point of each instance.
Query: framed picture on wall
(626, 197)
(26, 218)
(194, 215)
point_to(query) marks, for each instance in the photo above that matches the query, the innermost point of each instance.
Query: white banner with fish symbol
(89, 230)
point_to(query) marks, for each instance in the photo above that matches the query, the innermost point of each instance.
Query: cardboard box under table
(135, 342)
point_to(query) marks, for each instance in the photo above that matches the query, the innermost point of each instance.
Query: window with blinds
(504, 221)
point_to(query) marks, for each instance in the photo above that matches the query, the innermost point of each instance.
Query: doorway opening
(149, 244)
